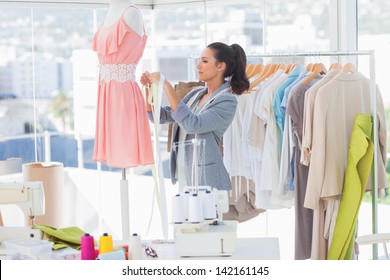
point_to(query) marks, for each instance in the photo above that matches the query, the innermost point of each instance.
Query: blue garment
(289, 88)
(280, 111)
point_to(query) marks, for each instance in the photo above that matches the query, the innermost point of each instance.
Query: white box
(206, 240)
(29, 249)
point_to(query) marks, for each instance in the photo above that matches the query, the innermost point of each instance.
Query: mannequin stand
(125, 210)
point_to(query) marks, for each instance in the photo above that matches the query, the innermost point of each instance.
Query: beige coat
(335, 109)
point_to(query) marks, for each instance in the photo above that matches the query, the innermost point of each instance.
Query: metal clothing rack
(371, 54)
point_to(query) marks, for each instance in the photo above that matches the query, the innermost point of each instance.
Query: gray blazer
(210, 124)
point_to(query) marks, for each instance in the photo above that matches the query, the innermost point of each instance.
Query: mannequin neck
(116, 4)
(119, 9)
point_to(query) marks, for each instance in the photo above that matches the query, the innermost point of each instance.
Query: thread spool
(178, 210)
(186, 198)
(135, 247)
(195, 209)
(209, 209)
(87, 247)
(105, 244)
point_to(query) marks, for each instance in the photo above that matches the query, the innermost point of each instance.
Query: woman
(205, 112)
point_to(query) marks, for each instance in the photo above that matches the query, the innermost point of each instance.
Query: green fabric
(360, 157)
(62, 238)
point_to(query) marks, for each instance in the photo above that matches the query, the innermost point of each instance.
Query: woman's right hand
(145, 79)
(146, 82)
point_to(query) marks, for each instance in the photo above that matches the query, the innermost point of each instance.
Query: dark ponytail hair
(235, 59)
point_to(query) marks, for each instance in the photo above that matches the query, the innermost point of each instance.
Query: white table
(265, 248)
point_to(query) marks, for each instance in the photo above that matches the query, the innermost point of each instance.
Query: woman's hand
(150, 78)
(146, 81)
(154, 78)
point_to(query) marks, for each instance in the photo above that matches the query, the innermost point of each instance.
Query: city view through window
(48, 70)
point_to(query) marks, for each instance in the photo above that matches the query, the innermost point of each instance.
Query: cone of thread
(87, 247)
(105, 244)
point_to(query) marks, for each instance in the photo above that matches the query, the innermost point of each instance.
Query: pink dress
(122, 137)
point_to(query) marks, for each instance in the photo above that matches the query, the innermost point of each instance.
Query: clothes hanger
(249, 70)
(318, 69)
(256, 69)
(282, 67)
(313, 67)
(335, 66)
(269, 69)
(308, 67)
(349, 68)
(290, 67)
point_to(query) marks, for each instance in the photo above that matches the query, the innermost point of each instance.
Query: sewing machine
(30, 198)
(208, 238)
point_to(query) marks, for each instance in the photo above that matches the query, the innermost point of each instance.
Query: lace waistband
(117, 72)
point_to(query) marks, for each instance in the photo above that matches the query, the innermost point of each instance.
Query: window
(36, 80)
(48, 72)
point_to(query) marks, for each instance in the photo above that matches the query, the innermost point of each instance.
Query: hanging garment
(319, 244)
(277, 103)
(233, 156)
(360, 156)
(307, 126)
(303, 216)
(248, 160)
(242, 201)
(336, 105)
(122, 137)
(286, 176)
(289, 88)
(263, 143)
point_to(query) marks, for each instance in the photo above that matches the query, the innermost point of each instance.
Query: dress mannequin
(132, 17)
(122, 137)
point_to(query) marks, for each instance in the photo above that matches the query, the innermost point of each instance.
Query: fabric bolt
(360, 157)
(122, 137)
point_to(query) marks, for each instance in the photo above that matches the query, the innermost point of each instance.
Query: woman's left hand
(154, 77)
